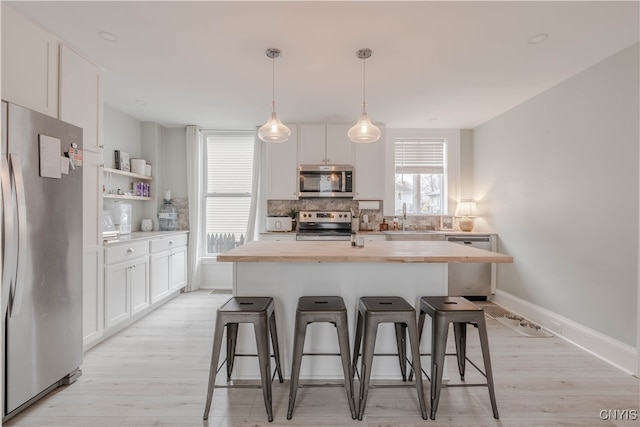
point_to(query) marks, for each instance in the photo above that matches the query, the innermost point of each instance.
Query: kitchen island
(287, 270)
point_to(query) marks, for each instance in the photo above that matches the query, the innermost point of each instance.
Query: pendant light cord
(364, 82)
(273, 84)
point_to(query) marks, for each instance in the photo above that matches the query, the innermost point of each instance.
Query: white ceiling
(434, 64)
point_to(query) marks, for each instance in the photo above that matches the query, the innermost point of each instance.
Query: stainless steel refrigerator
(41, 232)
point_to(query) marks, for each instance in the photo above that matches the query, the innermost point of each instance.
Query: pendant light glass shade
(364, 131)
(273, 130)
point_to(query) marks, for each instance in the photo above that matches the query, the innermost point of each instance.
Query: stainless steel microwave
(326, 181)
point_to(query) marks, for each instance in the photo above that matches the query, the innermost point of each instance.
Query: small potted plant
(293, 213)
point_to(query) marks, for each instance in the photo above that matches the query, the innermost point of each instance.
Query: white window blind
(228, 187)
(420, 156)
(420, 176)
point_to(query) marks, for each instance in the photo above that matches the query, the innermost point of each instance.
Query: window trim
(452, 138)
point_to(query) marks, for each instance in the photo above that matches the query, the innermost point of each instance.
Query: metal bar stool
(321, 309)
(371, 312)
(260, 312)
(459, 311)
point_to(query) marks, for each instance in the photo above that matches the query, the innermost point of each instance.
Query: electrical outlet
(555, 326)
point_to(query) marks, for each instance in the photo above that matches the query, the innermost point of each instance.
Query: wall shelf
(124, 196)
(129, 174)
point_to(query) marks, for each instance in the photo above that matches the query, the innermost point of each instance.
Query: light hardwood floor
(155, 372)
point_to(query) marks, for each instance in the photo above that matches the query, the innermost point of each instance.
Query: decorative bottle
(168, 215)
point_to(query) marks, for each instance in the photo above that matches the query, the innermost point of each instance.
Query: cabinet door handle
(171, 242)
(130, 250)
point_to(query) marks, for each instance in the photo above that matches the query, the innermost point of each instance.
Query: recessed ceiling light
(140, 102)
(110, 37)
(433, 120)
(538, 38)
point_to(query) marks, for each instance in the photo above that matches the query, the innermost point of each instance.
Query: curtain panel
(195, 153)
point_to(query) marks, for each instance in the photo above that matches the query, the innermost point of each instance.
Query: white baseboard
(614, 352)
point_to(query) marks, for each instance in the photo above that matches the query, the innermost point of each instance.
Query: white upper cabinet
(81, 96)
(281, 168)
(324, 144)
(370, 169)
(29, 64)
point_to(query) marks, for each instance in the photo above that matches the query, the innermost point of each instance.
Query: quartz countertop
(141, 235)
(376, 251)
(410, 232)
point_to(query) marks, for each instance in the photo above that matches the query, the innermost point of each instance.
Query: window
(421, 176)
(228, 188)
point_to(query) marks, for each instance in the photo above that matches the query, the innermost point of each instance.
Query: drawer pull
(130, 250)
(171, 242)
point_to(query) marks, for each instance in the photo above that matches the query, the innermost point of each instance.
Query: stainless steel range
(324, 225)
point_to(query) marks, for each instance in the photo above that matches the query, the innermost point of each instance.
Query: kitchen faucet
(404, 214)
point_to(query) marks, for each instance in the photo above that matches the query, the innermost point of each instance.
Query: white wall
(557, 178)
(175, 162)
(122, 132)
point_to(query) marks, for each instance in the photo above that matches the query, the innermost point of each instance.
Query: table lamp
(467, 210)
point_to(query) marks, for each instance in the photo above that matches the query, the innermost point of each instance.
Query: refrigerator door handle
(16, 168)
(8, 243)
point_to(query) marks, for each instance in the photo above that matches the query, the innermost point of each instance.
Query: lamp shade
(467, 208)
(274, 130)
(364, 130)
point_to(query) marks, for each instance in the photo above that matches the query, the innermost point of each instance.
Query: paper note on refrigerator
(64, 165)
(49, 157)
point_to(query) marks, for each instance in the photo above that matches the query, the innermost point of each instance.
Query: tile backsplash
(284, 207)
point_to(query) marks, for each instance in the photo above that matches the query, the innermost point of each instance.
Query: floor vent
(220, 292)
(492, 310)
(518, 323)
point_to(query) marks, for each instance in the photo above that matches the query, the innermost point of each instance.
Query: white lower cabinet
(178, 268)
(159, 275)
(139, 276)
(139, 285)
(168, 265)
(126, 282)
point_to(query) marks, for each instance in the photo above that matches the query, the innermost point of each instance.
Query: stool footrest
(238, 386)
(302, 385)
(467, 385)
(321, 354)
(407, 384)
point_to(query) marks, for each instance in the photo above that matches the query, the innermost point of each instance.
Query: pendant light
(273, 130)
(364, 130)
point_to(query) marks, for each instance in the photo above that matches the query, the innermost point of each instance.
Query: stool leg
(298, 349)
(232, 339)
(213, 367)
(438, 349)
(420, 328)
(415, 360)
(401, 343)
(368, 347)
(460, 334)
(356, 343)
(484, 343)
(276, 348)
(343, 342)
(264, 358)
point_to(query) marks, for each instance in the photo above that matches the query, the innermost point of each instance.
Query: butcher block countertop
(377, 251)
